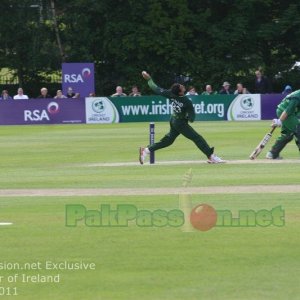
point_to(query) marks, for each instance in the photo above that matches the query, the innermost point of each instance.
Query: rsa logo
(37, 115)
(75, 78)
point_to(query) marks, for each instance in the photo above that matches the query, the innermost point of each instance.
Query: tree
(27, 43)
(205, 41)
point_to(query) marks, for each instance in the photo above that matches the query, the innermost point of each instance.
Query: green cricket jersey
(182, 106)
(291, 103)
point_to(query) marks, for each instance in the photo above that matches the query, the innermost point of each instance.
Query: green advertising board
(245, 107)
(157, 108)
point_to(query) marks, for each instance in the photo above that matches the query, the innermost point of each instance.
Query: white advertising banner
(245, 107)
(100, 110)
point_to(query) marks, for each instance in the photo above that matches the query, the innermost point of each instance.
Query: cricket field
(80, 218)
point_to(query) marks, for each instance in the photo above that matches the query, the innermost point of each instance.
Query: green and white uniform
(183, 112)
(290, 126)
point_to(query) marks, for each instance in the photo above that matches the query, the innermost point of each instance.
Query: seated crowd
(262, 86)
(43, 94)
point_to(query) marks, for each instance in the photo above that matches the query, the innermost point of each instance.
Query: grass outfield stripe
(248, 189)
(186, 162)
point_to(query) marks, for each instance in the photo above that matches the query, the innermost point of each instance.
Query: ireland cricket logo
(247, 103)
(245, 108)
(98, 106)
(100, 110)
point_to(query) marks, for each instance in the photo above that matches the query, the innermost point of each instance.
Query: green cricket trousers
(181, 126)
(290, 129)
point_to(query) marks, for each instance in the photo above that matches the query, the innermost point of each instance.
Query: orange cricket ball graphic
(203, 217)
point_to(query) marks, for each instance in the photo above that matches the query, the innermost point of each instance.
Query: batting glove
(276, 123)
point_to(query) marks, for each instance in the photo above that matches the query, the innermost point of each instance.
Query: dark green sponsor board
(157, 108)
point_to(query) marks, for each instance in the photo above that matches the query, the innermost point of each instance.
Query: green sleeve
(291, 108)
(158, 90)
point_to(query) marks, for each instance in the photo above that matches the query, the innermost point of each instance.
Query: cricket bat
(262, 144)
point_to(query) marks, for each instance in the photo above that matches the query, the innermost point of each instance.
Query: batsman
(287, 112)
(183, 113)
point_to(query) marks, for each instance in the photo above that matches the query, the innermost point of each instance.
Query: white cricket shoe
(214, 159)
(269, 155)
(142, 155)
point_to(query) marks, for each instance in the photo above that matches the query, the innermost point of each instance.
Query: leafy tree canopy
(206, 41)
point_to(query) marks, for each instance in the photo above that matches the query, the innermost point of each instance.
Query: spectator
(77, 95)
(119, 92)
(20, 95)
(208, 90)
(135, 92)
(287, 90)
(192, 91)
(59, 95)
(262, 84)
(70, 93)
(44, 94)
(225, 89)
(5, 95)
(240, 89)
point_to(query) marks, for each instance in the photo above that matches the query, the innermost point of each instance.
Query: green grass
(154, 262)
(56, 156)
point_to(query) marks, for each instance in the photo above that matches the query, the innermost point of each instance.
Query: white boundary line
(5, 223)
